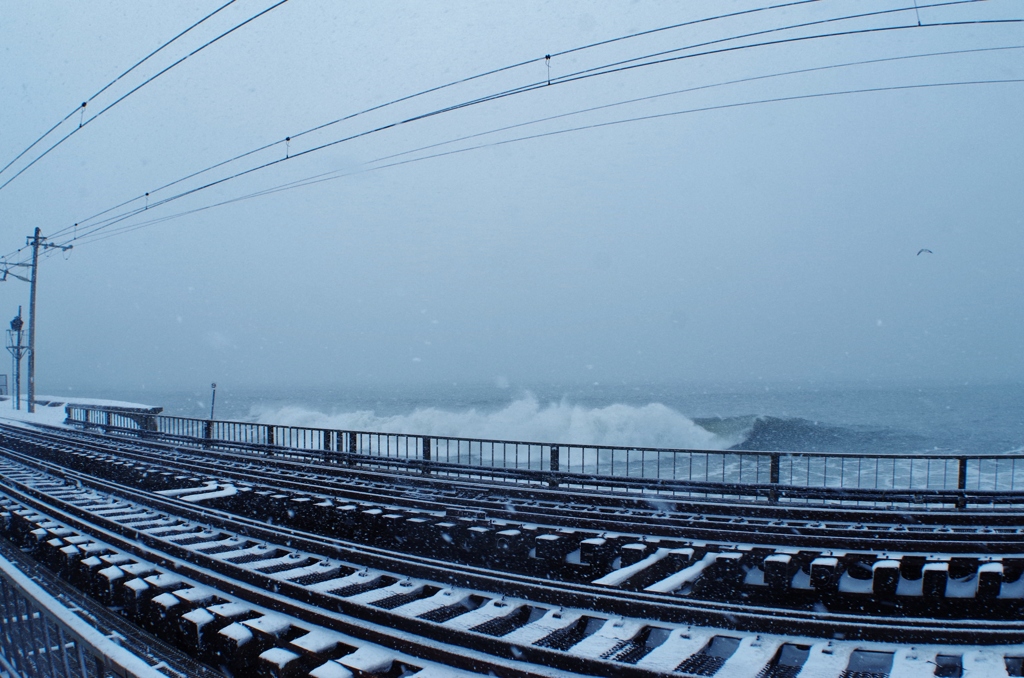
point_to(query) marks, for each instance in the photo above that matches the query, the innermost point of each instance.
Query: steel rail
(865, 530)
(705, 493)
(636, 604)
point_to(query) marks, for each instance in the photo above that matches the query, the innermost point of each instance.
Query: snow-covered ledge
(52, 410)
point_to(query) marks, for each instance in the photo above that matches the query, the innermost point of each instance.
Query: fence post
(553, 465)
(773, 477)
(270, 435)
(208, 430)
(352, 442)
(426, 454)
(961, 484)
(327, 440)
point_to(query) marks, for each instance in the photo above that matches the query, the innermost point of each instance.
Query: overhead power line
(100, 234)
(451, 84)
(590, 73)
(130, 92)
(629, 64)
(703, 109)
(618, 66)
(110, 84)
(613, 67)
(697, 88)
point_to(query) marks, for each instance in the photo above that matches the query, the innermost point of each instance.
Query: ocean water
(968, 418)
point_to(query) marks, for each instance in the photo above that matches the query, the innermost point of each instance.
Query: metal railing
(40, 637)
(906, 472)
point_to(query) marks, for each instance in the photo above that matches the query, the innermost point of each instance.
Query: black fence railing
(41, 636)
(905, 472)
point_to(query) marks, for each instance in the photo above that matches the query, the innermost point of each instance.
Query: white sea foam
(525, 419)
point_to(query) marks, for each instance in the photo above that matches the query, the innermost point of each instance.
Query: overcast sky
(766, 242)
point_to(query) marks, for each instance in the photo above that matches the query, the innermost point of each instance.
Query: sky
(775, 241)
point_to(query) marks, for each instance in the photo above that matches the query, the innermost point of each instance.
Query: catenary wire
(316, 178)
(631, 63)
(277, 161)
(121, 217)
(128, 228)
(113, 82)
(572, 77)
(137, 88)
(697, 88)
(449, 85)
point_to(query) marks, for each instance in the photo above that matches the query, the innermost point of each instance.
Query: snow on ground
(52, 412)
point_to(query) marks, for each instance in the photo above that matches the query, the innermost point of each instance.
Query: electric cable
(697, 88)
(137, 88)
(589, 74)
(99, 235)
(614, 67)
(455, 83)
(113, 82)
(319, 177)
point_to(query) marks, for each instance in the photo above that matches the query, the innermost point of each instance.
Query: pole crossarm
(7, 272)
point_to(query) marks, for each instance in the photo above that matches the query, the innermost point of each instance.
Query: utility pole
(36, 241)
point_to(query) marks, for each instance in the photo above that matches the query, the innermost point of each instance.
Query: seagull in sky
(922, 251)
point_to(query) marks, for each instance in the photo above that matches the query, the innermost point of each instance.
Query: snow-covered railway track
(674, 571)
(107, 546)
(946, 583)
(628, 601)
(921, 528)
(236, 621)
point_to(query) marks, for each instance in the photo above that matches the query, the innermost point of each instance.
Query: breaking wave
(620, 425)
(524, 419)
(794, 434)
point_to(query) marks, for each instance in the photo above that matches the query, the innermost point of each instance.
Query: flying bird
(922, 251)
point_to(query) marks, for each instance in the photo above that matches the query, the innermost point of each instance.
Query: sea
(868, 419)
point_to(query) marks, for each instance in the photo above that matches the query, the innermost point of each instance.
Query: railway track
(513, 579)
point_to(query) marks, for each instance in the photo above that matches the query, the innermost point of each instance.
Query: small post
(426, 449)
(208, 432)
(554, 461)
(326, 445)
(774, 469)
(351, 435)
(961, 481)
(270, 435)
